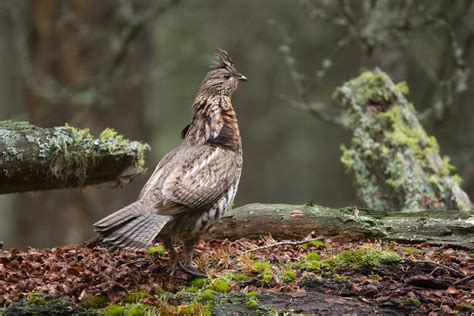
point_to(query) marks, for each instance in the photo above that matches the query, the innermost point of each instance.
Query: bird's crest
(223, 60)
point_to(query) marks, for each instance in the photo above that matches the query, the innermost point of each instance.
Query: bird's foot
(172, 267)
(192, 270)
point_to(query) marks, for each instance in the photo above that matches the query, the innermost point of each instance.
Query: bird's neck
(215, 123)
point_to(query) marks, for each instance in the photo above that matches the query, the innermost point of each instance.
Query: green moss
(265, 270)
(36, 298)
(251, 300)
(346, 158)
(370, 86)
(109, 133)
(159, 291)
(135, 297)
(340, 278)
(113, 310)
(267, 276)
(194, 308)
(238, 276)
(93, 301)
(199, 282)
(208, 294)
(288, 276)
(357, 258)
(262, 265)
(410, 301)
(312, 262)
(16, 125)
(38, 303)
(402, 87)
(312, 256)
(314, 243)
(109, 142)
(312, 265)
(137, 310)
(465, 307)
(412, 250)
(400, 133)
(220, 285)
(156, 250)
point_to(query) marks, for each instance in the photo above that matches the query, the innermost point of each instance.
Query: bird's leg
(188, 251)
(188, 265)
(173, 256)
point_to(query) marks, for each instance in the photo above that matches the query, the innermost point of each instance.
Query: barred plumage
(192, 185)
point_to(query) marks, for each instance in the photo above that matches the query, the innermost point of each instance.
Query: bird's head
(223, 78)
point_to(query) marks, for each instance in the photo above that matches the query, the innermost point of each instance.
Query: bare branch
(297, 78)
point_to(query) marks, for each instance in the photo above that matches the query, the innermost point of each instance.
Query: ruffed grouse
(194, 183)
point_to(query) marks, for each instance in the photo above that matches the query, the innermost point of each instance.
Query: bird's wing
(201, 178)
(157, 174)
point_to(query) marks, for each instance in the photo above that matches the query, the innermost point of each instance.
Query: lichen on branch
(34, 158)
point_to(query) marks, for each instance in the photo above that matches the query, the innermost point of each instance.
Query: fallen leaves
(429, 279)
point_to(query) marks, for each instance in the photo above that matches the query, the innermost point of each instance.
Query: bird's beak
(242, 78)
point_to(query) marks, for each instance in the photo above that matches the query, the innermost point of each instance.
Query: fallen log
(34, 158)
(283, 221)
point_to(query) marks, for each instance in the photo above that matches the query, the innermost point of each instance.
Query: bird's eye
(227, 76)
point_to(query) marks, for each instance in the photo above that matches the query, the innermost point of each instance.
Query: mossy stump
(396, 164)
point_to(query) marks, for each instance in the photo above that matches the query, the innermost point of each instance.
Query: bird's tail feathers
(134, 226)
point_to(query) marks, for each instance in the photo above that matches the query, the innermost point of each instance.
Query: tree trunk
(34, 158)
(80, 70)
(282, 221)
(397, 165)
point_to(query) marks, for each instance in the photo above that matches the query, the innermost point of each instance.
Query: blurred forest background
(135, 66)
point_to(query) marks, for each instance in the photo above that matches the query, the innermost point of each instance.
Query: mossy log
(283, 221)
(396, 164)
(34, 158)
(226, 304)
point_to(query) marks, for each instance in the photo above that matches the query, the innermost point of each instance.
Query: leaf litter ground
(313, 277)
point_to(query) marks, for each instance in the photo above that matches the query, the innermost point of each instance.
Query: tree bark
(34, 158)
(282, 221)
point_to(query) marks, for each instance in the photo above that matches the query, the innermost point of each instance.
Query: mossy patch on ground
(156, 250)
(93, 301)
(38, 303)
(338, 270)
(357, 258)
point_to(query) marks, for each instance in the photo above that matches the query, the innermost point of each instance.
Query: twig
(439, 265)
(111, 280)
(285, 242)
(138, 263)
(463, 280)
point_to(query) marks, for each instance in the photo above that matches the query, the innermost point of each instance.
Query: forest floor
(317, 277)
